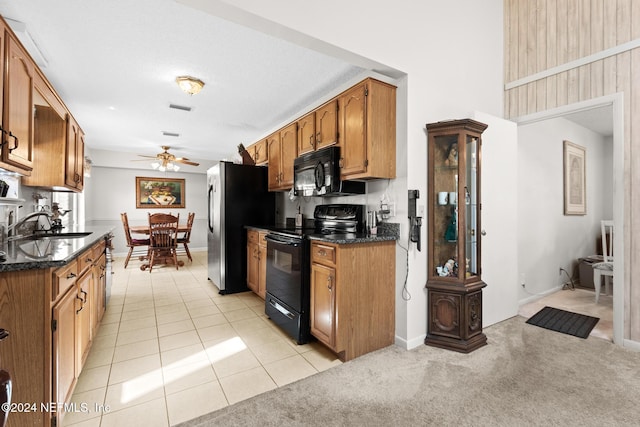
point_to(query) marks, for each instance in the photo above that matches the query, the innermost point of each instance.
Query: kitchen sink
(70, 235)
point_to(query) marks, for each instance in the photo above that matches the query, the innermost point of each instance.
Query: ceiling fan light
(176, 168)
(189, 84)
(162, 169)
(170, 166)
(155, 165)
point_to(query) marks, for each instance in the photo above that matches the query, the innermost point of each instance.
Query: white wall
(111, 191)
(548, 239)
(452, 55)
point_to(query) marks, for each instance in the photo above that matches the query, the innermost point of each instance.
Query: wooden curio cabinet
(454, 280)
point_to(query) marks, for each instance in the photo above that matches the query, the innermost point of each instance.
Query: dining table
(144, 229)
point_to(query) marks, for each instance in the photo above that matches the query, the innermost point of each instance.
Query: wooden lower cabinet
(64, 346)
(49, 313)
(353, 296)
(257, 262)
(85, 289)
(323, 307)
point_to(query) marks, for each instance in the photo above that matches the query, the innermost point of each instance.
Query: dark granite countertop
(47, 252)
(386, 232)
(350, 238)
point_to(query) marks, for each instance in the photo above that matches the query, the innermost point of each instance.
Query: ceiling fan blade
(148, 157)
(187, 162)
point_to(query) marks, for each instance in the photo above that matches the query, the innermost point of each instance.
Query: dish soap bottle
(299, 218)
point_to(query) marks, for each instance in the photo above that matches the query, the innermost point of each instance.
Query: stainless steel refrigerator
(237, 196)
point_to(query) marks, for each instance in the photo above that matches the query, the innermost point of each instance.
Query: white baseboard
(540, 295)
(631, 345)
(409, 344)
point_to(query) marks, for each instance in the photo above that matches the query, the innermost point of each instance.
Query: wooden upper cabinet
(261, 156)
(74, 159)
(319, 128)
(288, 153)
(58, 143)
(282, 147)
(18, 107)
(307, 134)
(361, 121)
(3, 36)
(326, 118)
(367, 131)
(273, 151)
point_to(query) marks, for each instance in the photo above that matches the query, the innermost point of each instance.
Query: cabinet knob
(322, 252)
(311, 140)
(318, 137)
(484, 233)
(330, 283)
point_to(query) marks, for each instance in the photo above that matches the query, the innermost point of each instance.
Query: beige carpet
(526, 375)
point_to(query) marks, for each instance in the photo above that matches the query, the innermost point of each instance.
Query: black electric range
(288, 280)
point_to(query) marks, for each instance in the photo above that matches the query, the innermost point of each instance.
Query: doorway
(597, 114)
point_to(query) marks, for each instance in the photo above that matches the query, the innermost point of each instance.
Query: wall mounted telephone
(414, 221)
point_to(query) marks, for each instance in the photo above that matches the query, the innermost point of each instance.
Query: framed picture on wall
(575, 181)
(159, 192)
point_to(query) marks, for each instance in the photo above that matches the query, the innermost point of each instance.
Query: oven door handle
(281, 309)
(282, 241)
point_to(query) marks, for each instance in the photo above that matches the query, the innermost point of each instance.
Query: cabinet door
(100, 276)
(18, 107)
(273, 150)
(64, 346)
(306, 134)
(260, 154)
(262, 271)
(353, 142)
(288, 153)
(327, 125)
(73, 141)
(252, 267)
(79, 166)
(83, 318)
(323, 304)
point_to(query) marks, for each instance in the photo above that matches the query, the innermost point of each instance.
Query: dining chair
(133, 244)
(604, 268)
(185, 239)
(163, 236)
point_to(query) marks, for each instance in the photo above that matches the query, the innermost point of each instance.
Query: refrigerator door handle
(209, 198)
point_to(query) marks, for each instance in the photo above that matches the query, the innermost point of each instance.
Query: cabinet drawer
(85, 260)
(252, 236)
(63, 279)
(98, 250)
(324, 254)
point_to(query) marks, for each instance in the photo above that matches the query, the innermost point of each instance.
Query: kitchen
(106, 180)
(34, 190)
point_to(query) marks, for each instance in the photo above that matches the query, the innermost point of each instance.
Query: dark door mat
(563, 321)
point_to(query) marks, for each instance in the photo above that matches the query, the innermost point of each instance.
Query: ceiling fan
(167, 161)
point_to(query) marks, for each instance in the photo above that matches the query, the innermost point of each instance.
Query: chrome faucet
(18, 225)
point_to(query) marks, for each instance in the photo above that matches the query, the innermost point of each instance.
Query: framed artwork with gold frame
(160, 192)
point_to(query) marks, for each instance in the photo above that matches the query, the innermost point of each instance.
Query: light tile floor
(170, 349)
(580, 301)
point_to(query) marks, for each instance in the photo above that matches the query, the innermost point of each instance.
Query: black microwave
(318, 174)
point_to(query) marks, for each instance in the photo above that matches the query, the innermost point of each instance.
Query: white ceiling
(114, 64)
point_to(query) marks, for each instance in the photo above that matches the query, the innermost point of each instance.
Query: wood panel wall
(542, 36)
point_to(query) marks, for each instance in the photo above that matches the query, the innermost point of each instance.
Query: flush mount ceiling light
(189, 84)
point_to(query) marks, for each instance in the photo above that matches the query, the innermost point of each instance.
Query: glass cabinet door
(445, 214)
(471, 207)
